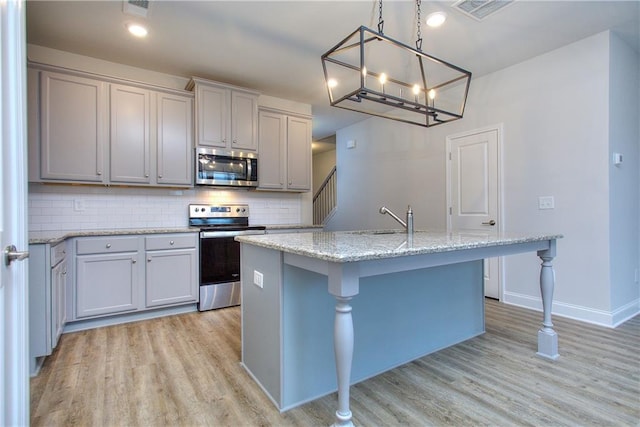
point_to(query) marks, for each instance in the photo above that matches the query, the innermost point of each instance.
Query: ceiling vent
(480, 9)
(136, 7)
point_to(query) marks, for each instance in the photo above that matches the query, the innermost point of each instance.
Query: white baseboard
(609, 319)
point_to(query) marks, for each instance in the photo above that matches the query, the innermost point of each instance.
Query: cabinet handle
(99, 173)
(149, 259)
(108, 245)
(64, 272)
(133, 260)
(159, 176)
(146, 175)
(290, 183)
(235, 142)
(171, 243)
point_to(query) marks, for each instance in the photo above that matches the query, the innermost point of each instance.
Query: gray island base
(324, 310)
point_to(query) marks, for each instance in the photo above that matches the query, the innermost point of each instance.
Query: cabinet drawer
(106, 245)
(171, 241)
(58, 253)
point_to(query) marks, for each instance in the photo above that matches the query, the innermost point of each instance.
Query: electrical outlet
(257, 278)
(78, 205)
(546, 202)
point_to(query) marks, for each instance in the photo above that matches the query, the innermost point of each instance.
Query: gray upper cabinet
(73, 127)
(130, 140)
(87, 130)
(174, 140)
(226, 116)
(298, 153)
(272, 157)
(284, 162)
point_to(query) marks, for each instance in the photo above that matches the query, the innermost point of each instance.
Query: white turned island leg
(547, 337)
(343, 347)
(343, 285)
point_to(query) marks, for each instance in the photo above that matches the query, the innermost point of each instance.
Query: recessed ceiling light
(137, 30)
(436, 19)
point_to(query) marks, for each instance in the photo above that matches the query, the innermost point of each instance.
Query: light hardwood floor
(184, 371)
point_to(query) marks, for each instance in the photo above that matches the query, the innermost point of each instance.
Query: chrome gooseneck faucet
(408, 224)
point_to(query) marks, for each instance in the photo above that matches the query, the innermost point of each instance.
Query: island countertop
(352, 246)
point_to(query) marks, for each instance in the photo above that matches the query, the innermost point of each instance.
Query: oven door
(219, 260)
(220, 268)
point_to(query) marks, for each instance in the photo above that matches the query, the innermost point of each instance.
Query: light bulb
(383, 78)
(364, 71)
(416, 89)
(332, 83)
(436, 19)
(137, 30)
(432, 94)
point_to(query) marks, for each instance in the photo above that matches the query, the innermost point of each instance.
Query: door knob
(11, 253)
(492, 222)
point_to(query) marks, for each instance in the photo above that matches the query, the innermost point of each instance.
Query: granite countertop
(292, 226)
(53, 237)
(350, 246)
(57, 236)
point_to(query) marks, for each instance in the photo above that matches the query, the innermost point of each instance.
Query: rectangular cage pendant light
(374, 74)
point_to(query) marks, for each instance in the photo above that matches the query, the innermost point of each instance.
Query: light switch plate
(257, 278)
(546, 202)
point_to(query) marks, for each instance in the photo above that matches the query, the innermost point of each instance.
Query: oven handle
(218, 234)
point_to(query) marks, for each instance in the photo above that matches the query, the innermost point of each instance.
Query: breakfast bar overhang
(408, 295)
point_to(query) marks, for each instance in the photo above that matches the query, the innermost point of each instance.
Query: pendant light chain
(380, 20)
(419, 32)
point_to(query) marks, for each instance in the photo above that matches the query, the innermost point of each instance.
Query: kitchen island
(324, 310)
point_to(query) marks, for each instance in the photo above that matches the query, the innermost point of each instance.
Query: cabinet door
(171, 277)
(175, 141)
(298, 153)
(106, 284)
(130, 146)
(213, 111)
(272, 142)
(72, 128)
(244, 117)
(58, 301)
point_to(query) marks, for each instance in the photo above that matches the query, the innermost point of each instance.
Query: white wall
(555, 117)
(51, 207)
(624, 138)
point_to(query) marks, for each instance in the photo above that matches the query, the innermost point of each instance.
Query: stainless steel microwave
(226, 168)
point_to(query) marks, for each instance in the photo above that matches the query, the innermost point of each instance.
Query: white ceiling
(275, 46)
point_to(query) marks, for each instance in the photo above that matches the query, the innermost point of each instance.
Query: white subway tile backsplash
(51, 208)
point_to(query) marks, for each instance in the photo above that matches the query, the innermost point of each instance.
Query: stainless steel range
(219, 252)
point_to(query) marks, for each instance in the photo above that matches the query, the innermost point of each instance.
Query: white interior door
(14, 337)
(474, 191)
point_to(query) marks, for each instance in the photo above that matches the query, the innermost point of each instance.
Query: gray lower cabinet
(47, 299)
(171, 269)
(122, 274)
(107, 276)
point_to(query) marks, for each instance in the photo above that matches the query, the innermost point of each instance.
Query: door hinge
(450, 210)
(449, 155)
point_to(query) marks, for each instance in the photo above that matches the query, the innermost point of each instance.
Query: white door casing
(474, 191)
(14, 370)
